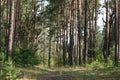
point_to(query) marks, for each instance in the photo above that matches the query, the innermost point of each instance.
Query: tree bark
(17, 21)
(71, 34)
(49, 55)
(0, 25)
(64, 31)
(94, 31)
(79, 30)
(116, 34)
(85, 33)
(11, 29)
(107, 28)
(119, 25)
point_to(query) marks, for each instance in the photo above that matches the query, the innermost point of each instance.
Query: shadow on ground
(70, 74)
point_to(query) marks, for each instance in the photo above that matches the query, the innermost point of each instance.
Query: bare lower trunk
(49, 55)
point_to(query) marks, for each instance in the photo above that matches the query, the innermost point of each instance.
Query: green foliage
(95, 64)
(26, 57)
(8, 71)
(2, 58)
(100, 62)
(6, 25)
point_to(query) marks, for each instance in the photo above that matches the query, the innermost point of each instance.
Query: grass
(79, 73)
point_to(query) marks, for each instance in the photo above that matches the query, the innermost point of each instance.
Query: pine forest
(59, 40)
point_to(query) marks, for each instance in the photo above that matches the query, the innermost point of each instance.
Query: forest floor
(70, 73)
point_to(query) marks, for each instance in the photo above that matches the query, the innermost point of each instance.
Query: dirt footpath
(52, 76)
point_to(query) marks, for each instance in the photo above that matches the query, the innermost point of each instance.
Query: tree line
(61, 32)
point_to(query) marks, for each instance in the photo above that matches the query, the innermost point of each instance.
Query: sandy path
(52, 76)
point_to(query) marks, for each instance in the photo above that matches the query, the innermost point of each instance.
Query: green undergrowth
(8, 70)
(80, 73)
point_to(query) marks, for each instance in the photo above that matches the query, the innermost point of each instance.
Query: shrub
(8, 71)
(95, 64)
(26, 57)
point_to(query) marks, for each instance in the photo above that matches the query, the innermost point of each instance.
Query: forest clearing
(71, 73)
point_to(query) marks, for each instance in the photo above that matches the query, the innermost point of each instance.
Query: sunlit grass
(80, 73)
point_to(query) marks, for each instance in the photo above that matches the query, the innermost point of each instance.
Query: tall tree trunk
(119, 24)
(71, 33)
(91, 24)
(49, 54)
(75, 34)
(17, 20)
(86, 33)
(94, 31)
(107, 32)
(6, 30)
(79, 30)
(34, 19)
(116, 33)
(11, 29)
(0, 25)
(64, 36)
(57, 44)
